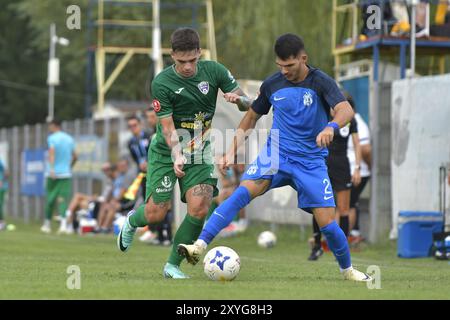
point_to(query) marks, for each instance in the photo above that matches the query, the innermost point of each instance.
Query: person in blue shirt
(61, 158)
(301, 97)
(3, 189)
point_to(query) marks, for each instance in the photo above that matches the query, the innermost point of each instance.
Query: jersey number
(327, 189)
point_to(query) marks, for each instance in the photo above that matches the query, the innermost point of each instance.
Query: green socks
(187, 233)
(138, 218)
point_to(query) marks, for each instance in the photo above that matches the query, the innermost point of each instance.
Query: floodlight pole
(156, 48)
(53, 70)
(51, 86)
(414, 4)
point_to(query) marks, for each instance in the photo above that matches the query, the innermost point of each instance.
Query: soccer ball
(267, 239)
(221, 263)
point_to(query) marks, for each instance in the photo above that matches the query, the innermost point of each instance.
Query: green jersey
(191, 102)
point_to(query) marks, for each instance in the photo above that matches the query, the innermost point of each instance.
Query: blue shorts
(308, 177)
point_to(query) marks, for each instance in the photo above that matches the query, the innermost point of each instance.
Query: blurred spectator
(3, 189)
(152, 120)
(403, 24)
(81, 202)
(61, 158)
(396, 18)
(139, 143)
(117, 203)
(164, 229)
(155, 233)
(441, 27)
(138, 146)
(366, 158)
(400, 13)
(443, 12)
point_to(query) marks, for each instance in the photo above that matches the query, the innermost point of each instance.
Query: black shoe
(315, 253)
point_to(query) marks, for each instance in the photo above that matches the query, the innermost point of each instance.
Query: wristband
(333, 125)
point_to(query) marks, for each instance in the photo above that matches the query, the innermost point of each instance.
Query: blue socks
(224, 214)
(337, 242)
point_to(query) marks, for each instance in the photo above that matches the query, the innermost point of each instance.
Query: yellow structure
(104, 82)
(347, 21)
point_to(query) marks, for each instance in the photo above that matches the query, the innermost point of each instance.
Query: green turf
(34, 265)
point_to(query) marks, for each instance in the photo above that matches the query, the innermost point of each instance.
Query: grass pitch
(34, 266)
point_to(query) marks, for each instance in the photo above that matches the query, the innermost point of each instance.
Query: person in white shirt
(366, 153)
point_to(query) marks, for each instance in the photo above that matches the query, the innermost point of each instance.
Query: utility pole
(53, 70)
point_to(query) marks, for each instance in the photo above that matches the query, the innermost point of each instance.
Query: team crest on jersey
(156, 105)
(203, 87)
(307, 99)
(252, 169)
(166, 183)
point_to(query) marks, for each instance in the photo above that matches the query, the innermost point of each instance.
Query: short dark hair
(150, 109)
(133, 117)
(124, 158)
(288, 45)
(185, 39)
(55, 122)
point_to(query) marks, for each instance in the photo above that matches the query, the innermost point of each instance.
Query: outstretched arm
(239, 98)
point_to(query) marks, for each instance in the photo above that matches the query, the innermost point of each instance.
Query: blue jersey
(300, 111)
(64, 146)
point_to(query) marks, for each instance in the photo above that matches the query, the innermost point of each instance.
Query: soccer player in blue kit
(295, 152)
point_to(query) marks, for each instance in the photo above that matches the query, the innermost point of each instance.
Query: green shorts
(59, 192)
(161, 178)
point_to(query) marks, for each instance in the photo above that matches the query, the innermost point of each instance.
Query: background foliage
(245, 32)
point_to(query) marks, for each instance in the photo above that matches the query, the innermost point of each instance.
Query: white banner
(420, 143)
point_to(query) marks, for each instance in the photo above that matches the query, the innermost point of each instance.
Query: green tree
(22, 72)
(245, 33)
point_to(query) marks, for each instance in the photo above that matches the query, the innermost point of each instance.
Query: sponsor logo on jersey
(179, 90)
(156, 105)
(166, 183)
(199, 121)
(307, 99)
(203, 87)
(200, 117)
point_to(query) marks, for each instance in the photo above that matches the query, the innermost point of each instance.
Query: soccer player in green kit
(184, 98)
